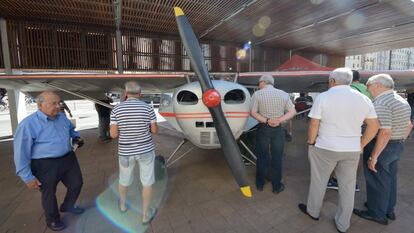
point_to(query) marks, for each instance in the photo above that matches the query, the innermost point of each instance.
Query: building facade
(401, 59)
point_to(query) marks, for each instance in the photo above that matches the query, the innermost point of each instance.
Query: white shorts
(146, 168)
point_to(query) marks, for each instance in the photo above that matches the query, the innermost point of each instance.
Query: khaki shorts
(146, 168)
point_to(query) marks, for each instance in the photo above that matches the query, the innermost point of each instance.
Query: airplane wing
(290, 81)
(403, 79)
(97, 83)
(317, 81)
(90, 84)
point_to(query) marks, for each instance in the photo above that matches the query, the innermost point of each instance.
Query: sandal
(150, 216)
(120, 209)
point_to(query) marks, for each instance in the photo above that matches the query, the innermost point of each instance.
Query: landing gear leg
(168, 163)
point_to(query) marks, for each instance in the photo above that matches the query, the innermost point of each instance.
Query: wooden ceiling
(328, 26)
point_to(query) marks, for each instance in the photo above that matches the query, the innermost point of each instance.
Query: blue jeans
(271, 140)
(382, 186)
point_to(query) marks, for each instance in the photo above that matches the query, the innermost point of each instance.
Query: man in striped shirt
(381, 155)
(271, 107)
(134, 121)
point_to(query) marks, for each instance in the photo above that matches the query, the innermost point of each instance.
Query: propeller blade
(212, 99)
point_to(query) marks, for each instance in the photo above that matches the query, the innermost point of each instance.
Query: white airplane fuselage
(185, 111)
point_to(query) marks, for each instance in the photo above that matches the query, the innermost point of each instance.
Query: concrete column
(17, 110)
(17, 107)
(118, 36)
(5, 46)
(119, 59)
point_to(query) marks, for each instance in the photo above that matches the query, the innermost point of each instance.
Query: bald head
(48, 103)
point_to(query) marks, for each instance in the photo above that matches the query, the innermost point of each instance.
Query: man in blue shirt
(44, 156)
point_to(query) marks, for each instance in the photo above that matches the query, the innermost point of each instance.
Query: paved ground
(201, 195)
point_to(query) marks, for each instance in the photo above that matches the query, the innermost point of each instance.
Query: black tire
(159, 169)
(160, 158)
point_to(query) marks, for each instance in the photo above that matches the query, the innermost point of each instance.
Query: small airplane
(183, 110)
(209, 113)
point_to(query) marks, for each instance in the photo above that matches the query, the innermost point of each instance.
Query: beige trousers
(322, 163)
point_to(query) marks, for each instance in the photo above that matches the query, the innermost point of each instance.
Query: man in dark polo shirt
(381, 155)
(104, 114)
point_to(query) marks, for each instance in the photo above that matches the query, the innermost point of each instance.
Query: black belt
(396, 141)
(264, 124)
(60, 157)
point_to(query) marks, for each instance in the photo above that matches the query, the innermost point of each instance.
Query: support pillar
(17, 110)
(118, 36)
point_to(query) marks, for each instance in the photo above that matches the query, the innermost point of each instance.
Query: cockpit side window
(235, 96)
(187, 98)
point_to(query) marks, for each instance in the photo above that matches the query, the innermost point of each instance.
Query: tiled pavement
(201, 195)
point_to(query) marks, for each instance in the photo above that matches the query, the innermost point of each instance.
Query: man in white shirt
(335, 143)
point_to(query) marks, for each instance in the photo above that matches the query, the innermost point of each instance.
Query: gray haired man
(335, 143)
(381, 155)
(271, 107)
(130, 121)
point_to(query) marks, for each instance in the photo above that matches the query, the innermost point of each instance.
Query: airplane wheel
(161, 159)
(160, 168)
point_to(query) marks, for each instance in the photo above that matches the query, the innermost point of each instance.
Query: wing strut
(80, 95)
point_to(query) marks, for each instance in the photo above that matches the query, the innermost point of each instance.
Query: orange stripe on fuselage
(199, 115)
(167, 114)
(209, 117)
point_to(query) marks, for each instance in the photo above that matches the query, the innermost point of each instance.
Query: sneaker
(56, 225)
(332, 184)
(357, 188)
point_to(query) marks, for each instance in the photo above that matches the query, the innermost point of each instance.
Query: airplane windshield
(187, 98)
(235, 96)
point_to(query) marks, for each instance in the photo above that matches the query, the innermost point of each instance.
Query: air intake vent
(215, 138)
(205, 138)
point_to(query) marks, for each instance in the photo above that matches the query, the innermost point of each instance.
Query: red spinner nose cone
(211, 98)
